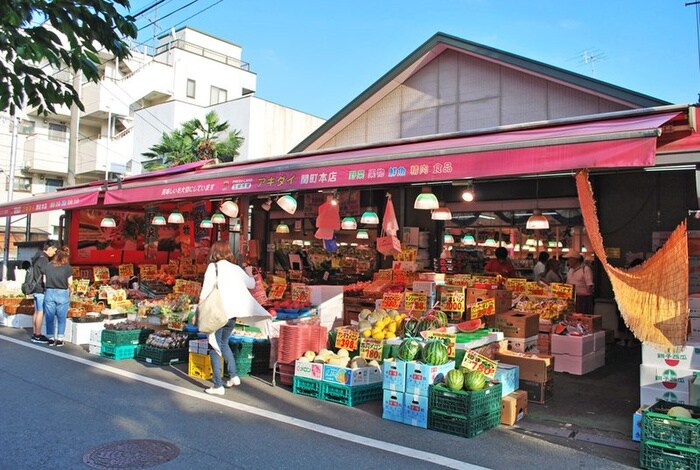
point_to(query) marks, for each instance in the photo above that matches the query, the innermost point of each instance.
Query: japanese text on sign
(116, 295)
(449, 339)
(347, 339)
(516, 284)
(301, 294)
(416, 301)
(294, 275)
(474, 361)
(392, 300)
(148, 271)
(562, 291)
(462, 280)
(81, 286)
(371, 349)
(452, 299)
(101, 273)
(484, 308)
(277, 291)
(533, 288)
(383, 275)
(126, 270)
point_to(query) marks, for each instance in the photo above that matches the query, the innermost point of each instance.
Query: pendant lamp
(282, 228)
(537, 220)
(426, 200)
(230, 208)
(348, 223)
(287, 203)
(448, 239)
(468, 193)
(108, 222)
(218, 218)
(158, 220)
(369, 217)
(362, 235)
(490, 242)
(176, 218)
(441, 213)
(468, 240)
(206, 223)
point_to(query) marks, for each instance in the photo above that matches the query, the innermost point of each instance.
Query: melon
(408, 350)
(679, 412)
(474, 381)
(364, 314)
(469, 326)
(410, 327)
(440, 316)
(343, 353)
(435, 353)
(455, 379)
(428, 323)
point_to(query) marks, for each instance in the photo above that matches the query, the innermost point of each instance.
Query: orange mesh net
(652, 297)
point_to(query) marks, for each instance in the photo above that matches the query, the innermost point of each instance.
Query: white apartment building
(188, 74)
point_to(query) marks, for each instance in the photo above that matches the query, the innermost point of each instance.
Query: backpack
(29, 285)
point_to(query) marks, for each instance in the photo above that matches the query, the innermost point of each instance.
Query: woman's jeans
(56, 303)
(222, 335)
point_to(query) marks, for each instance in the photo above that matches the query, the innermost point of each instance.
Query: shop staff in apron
(581, 276)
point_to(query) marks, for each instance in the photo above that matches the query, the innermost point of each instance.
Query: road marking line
(300, 423)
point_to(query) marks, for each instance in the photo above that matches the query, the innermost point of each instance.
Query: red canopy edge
(59, 200)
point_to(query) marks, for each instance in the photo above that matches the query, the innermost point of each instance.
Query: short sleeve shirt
(582, 279)
(57, 276)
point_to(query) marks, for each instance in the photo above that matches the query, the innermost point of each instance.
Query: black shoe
(58, 343)
(52, 342)
(40, 339)
(44, 339)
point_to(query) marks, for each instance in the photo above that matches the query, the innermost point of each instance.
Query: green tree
(63, 34)
(196, 140)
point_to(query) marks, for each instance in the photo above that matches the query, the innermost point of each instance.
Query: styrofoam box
(419, 376)
(95, 336)
(528, 345)
(18, 321)
(394, 375)
(694, 327)
(598, 340)
(650, 394)
(94, 349)
(392, 405)
(694, 305)
(576, 365)
(509, 376)
(309, 370)
(671, 378)
(687, 357)
(415, 410)
(343, 375)
(81, 331)
(572, 345)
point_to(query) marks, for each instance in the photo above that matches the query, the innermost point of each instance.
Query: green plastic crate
(307, 387)
(462, 426)
(465, 403)
(660, 456)
(124, 337)
(161, 356)
(659, 427)
(350, 396)
(118, 353)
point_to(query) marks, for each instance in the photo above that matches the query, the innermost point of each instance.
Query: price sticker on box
(485, 308)
(126, 270)
(347, 339)
(562, 291)
(371, 349)
(392, 300)
(473, 361)
(516, 284)
(100, 273)
(449, 339)
(301, 294)
(277, 291)
(452, 300)
(148, 271)
(417, 301)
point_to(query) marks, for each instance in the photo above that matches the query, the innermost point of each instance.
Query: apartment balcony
(43, 155)
(93, 156)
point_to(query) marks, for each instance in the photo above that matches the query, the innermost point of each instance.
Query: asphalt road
(59, 404)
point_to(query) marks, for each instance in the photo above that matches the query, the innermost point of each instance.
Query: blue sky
(316, 56)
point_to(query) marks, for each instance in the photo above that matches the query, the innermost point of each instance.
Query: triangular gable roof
(437, 44)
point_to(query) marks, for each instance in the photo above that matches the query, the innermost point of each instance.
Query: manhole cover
(138, 453)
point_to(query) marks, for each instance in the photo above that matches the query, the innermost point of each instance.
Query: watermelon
(440, 316)
(474, 381)
(410, 327)
(408, 350)
(455, 379)
(469, 326)
(435, 353)
(428, 323)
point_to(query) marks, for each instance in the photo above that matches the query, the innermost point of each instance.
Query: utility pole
(73, 138)
(10, 192)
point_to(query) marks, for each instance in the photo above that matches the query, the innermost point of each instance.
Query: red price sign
(392, 300)
(180, 286)
(371, 349)
(533, 288)
(383, 275)
(301, 294)
(516, 284)
(562, 291)
(452, 300)
(101, 273)
(148, 271)
(449, 339)
(294, 275)
(400, 277)
(81, 286)
(126, 270)
(347, 339)
(277, 291)
(416, 301)
(473, 361)
(485, 308)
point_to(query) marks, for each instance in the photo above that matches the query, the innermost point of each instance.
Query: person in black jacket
(39, 263)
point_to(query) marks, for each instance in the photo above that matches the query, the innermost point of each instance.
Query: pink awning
(628, 142)
(59, 200)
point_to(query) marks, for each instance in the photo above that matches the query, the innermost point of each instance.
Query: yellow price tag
(392, 300)
(347, 339)
(101, 273)
(371, 349)
(562, 291)
(485, 308)
(416, 301)
(126, 270)
(473, 361)
(148, 271)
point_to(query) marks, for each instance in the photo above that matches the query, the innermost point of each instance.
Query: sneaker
(215, 391)
(51, 342)
(58, 343)
(40, 339)
(233, 381)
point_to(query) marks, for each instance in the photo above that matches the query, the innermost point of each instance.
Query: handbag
(210, 311)
(388, 245)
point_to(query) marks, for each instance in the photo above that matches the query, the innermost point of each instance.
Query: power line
(200, 11)
(169, 14)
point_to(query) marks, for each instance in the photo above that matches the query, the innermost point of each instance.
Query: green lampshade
(362, 234)
(426, 200)
(369, 217)
(282, 228)
(349, 223)
(218, 218)
(158, 220)
(206, 223)
(448, 238)
(468, 240)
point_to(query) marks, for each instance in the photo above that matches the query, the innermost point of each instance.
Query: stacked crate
(464, 413)
(293, 342)
(670, 441)
(95, 344)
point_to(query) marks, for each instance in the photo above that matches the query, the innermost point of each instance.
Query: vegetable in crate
(455, 379)
(435, 353)
(474, 381)
(408, 350)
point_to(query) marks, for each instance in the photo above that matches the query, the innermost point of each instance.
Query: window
(218, 95)
(52, 184)
(57, 132)
(191, 86)
(26, 127)
(23, 184)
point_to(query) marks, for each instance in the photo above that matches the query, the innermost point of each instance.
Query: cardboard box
(572, 345)
(343, 375)
(637, 424)
(577, 365)
(425, 287)
(309, 370)
(504, 298)
(509, 376)
(590, 322)
(392, 405)
(694, 324)
(419, 377)
(528, 345)
(516, 324)
(694, 305)
(547, 325)
(513, 407)
(410, 235)
(394, 375)
(373, 374)
(668, 377)
(687, 357)
(533, 367)
(650, 394)
(537, 392)
(415, 410)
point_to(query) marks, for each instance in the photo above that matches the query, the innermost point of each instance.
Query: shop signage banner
(347, 339)
(57, 202)
(371, 349)
(473, 361)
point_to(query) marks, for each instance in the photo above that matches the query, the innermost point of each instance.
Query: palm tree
(195, 141)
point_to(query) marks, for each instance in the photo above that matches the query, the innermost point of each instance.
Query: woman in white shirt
(234, 285)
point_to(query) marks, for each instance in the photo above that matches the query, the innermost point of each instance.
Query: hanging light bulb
(108, 222)
(362, 235)
(158, 220)
(206, 223)
(584, 249)
(426, 200)
(537, 221)
(348, 223)
(287, 203)
(531, 242)
(448, 239)
(369, 217)
(176, 218)
(230, 208)
(468, 193)
(282, 228)
(490, 242)
(218, 218)
(441, 213)
(468, 240)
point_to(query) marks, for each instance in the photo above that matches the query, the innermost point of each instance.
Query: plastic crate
(307, 387)
(199, 366)
(460, 425)
(127, 351)
(465, 403)
(160, 356)
(660, 456)
(351, 396)
(658, 426)
(124, 337)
